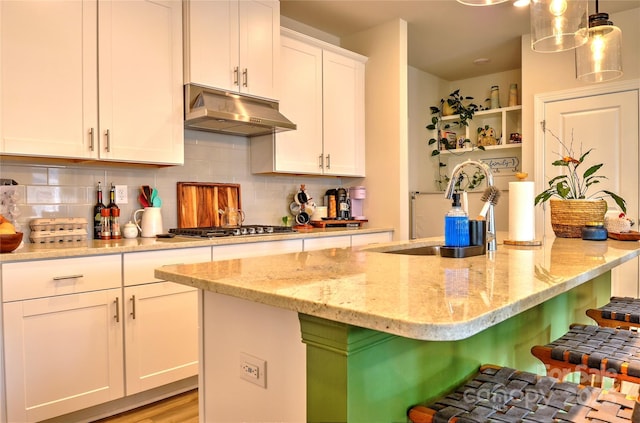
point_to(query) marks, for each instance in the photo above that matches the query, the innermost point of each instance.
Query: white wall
(386, 124)
(550, 72)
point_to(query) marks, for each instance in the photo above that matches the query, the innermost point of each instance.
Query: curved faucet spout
(486, 170)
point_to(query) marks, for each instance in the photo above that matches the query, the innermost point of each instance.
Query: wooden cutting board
(199, 202)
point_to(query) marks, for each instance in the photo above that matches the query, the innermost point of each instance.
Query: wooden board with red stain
(625, 236)
(199, 202)
(329, 223)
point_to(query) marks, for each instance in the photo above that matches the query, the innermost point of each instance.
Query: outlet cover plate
(253, 369)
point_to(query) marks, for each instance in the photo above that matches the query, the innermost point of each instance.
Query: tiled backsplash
(69, 191)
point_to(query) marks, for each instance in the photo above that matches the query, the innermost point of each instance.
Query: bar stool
(593, 350)
(623, 312)
(502, 394)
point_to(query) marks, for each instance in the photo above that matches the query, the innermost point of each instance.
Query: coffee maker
(356, 196)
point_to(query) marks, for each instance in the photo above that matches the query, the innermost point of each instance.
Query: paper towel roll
(521, 211)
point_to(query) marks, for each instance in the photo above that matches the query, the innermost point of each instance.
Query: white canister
(319, 213)
(129, 230)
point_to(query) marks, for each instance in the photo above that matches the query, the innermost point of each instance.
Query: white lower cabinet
(161, 334)
(161, 320)
(373, 238)
(62, 354)
(342, 241)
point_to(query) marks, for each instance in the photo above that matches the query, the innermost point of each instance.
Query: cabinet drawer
(47, 278)
(139, 267)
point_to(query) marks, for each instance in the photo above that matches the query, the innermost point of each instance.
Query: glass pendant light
(558, 25)
(481, 2)
(601, 58)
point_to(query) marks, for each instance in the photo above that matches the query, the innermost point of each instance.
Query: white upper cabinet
(322, 92)
(48, 78)
(52, 102)
(233, 45)
(140, 69)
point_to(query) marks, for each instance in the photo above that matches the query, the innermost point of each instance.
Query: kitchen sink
(426, 250)
(420, 249)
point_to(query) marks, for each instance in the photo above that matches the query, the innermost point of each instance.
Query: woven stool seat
(593, 350)
(621, 312)
(502, 394)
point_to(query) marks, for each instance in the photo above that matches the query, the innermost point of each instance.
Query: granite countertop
(91, 247)
(419, 297)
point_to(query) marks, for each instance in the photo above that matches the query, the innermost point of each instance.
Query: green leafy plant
(455, 104)
(571, 185)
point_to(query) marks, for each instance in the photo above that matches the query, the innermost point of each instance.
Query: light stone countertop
(419, 297)
(92, 247)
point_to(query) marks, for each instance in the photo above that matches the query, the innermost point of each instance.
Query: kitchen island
(384, 331)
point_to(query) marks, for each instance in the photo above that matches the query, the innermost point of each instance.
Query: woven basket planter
(569, 216)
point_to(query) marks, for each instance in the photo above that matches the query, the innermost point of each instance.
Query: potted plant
(568, 194)
(455, 104)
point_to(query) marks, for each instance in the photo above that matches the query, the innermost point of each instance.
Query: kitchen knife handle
(117, 315)
(235, 75)
(133, 307)
(107, 133)
(91, 133)
(245, 77)
(328, 161)
(320, 161)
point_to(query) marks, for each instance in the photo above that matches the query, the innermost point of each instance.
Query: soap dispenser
(456, 225)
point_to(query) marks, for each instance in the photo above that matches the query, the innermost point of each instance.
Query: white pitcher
(151, 222)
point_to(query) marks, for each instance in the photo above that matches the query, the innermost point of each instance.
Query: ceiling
(444, 36)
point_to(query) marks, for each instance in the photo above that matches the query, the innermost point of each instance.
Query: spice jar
(594, 231)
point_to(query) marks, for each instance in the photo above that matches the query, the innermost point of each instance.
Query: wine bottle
(114, 213)
(97, 214)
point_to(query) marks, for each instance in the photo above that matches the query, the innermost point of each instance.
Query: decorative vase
(569, 216)
(447, 110)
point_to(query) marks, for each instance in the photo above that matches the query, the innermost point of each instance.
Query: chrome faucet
(491, 224)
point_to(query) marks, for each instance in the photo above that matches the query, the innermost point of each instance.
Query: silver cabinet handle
(61, 278)
(320, 161)
(236, 70)
(133, 307)
(91, 133)
(117, 315)
(245, 77)
(108, 146)
(328, 161)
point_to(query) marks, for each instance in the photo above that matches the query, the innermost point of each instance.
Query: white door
(161, 334)
(608, 123)
(343, 114)
(140, 80)
(48, 78)
(300, 101)
(64, 354)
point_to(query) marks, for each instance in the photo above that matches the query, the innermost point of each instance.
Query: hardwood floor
(182, 408)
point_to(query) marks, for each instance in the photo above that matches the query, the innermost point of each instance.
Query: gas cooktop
(218, 231)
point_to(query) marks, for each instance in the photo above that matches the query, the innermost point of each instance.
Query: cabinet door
(343, 241)
(259, 42)
(211, 43)
(233, 45)
(300, 101)
(368, 239)
(140, 81)
(48, 86)
(63, 354)
(161, 334)
(343, 113)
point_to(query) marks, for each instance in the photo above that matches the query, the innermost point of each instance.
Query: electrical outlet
(121, 194)
(253, 369)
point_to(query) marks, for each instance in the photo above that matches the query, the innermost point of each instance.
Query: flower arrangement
(571, 185)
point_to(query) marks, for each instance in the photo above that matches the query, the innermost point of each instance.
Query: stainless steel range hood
(208, 109)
